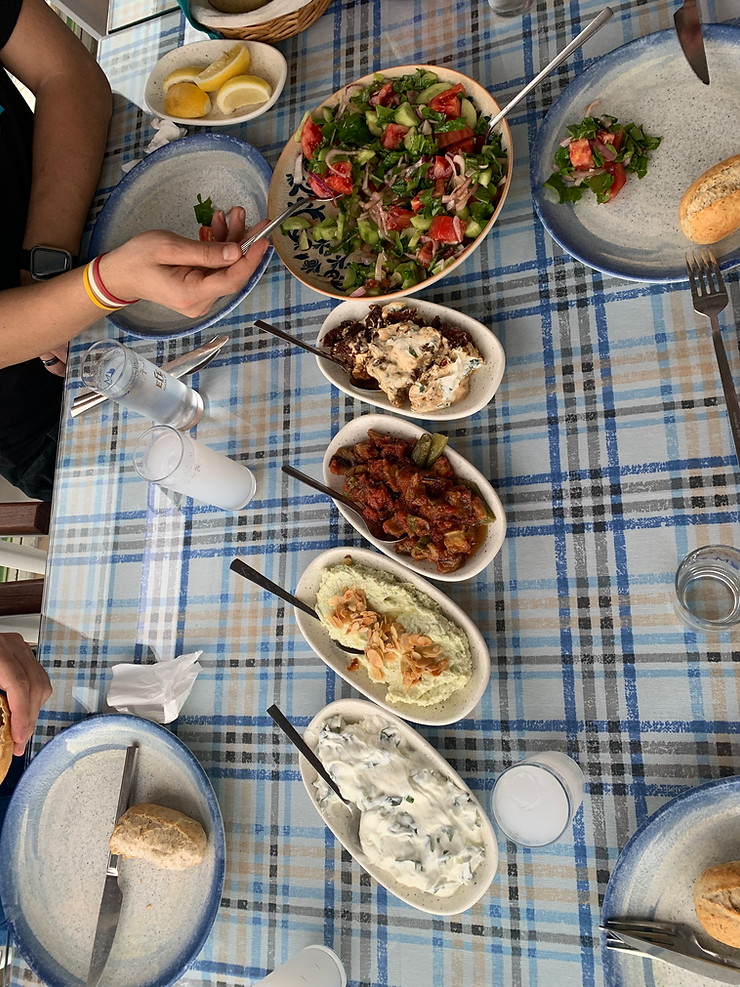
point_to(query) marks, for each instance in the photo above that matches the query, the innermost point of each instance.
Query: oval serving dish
(283, 189)
(356, 431)
(483, 383)
(452, 709)
(340, 823)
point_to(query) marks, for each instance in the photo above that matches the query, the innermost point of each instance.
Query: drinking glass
(707, 588)
(314, 966)
(534, 801)
(176, 461)
(122, 375)
(509, 8)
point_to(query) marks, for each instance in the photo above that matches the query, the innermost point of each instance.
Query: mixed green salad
(414, 182)
(597, 155)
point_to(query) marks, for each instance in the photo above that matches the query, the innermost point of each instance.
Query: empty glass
(707, 588)
(314, 966)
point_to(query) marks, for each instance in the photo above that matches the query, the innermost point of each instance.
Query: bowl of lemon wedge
(216, 83)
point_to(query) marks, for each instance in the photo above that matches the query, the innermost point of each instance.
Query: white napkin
(167, 131)
(156, 692)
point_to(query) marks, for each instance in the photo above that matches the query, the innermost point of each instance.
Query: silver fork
(623, 933)
(709, 295)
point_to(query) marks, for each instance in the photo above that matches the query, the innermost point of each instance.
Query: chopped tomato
(616, 168)
(439, 188)
(447, 102)
(206, 233)
(440, 168)
(317, 188)
(426, 255)
(580, 154)
(608, 138)
(465, 147)
(397, 218)
(393, 134)
(383, 96)
(453, 137)
(479, 143)
(311, 137)
(339, 178)
(446, 229)
(416, 204)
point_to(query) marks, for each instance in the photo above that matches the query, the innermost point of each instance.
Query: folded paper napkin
(156, 692)
(167, 131)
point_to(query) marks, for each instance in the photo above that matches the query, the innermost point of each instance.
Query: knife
(110, 904)
(181, 366)
(722, 973)
(688, 29)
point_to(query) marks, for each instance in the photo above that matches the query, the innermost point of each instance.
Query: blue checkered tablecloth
(610, 448)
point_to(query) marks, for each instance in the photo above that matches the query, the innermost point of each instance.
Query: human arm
(26, 686)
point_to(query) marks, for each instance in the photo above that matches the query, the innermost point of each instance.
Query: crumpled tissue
(167, 131)
(156, 692)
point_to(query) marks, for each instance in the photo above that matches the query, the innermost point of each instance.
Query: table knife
(702, 967)
(688, 29)
(188, 363)
(110, 904)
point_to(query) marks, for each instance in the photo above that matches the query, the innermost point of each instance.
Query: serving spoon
(368, 385)
(313, 759)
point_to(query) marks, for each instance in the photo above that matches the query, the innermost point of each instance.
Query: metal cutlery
(110, 904)
(260, 580)
(292, 734)
(181, 366)
(688, 29)
(669, 942)
(369, 385)
(375, 529)
(267, 230)
(590, 29)
(709, 295)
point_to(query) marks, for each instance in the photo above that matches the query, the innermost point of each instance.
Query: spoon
(368, 385)
(313, 759)
(597, 23)
(375, 529)
(257, 577)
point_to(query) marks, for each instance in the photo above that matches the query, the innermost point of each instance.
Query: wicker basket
(281, 27)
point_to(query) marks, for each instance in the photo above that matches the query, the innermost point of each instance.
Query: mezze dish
(349, 329)
(423, 659)
(410, 186)
(450, 521)
(413, 823)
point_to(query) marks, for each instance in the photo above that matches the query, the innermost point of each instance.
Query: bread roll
(164, 837)
(6, 741)
(710, 207)
(717, 902)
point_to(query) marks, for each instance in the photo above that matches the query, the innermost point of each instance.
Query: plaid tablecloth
(610, 448)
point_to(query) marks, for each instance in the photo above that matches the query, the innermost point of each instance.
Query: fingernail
(231, 251)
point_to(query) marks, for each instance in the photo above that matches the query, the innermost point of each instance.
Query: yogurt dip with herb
(415, 823)
(409, 644)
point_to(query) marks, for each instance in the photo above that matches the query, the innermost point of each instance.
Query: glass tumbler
(707, 588)
(178, 462)
(314, 966)
(122, 375)
(510, 8)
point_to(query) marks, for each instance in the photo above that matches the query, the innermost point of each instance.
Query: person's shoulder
(9, 11)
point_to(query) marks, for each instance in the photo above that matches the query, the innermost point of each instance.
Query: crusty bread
(710, 207)
(164, 837)
(717, 902)
(6, 741)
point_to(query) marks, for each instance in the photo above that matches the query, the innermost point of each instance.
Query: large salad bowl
(320, 266)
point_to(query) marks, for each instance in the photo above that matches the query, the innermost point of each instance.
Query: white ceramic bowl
(339, 822)
(356, 431)
(483, 384)
(265, 61)
(282, 190)
(452, 709)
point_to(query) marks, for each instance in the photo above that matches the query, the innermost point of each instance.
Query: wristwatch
(44, 263)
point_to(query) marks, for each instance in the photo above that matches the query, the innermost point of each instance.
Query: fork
(709, 295)
(267, 230)
(670, 935)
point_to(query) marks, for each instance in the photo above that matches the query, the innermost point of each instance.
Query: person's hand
(184, 275)
(26, 686)
(59, 355)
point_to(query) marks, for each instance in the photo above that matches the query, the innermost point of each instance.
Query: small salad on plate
(414, 181)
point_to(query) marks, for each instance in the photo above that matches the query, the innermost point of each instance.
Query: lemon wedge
(243, 90)
(233, 62)
(187, 73)
(184, 99)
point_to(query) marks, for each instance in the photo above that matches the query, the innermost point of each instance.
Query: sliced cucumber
(467, 110)
(296, 223)
(421, 222)
(406, 116)
(430, 92)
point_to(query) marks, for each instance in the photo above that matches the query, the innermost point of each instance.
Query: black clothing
(30, 396)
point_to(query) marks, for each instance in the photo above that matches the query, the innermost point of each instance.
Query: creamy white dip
(415, 823)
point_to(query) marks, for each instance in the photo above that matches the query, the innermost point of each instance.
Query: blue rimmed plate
(160, 192)
(647, 81)
(655, 875)
(54, 849)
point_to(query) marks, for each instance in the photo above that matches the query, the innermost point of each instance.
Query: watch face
(47, 262)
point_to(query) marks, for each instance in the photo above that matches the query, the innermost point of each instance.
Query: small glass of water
(534, 801)
(176, 461)
(707, 588)
(510, 8)
(122, 375)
